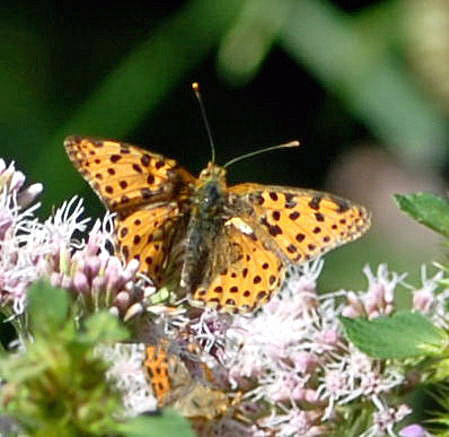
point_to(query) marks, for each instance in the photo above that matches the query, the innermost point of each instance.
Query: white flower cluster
(30, 250)
(297, 373)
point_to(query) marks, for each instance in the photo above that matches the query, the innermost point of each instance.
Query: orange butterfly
(226, 247)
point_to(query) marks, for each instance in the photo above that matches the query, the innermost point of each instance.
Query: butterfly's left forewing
(126, 177)
(148, 192)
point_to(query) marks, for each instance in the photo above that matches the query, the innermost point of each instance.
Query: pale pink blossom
(378, 300)
(386, 419)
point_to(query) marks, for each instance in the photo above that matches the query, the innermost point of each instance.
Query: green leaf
(47, 307)
(404, 334)
(169, 424)
(428, 209)
(104, 326)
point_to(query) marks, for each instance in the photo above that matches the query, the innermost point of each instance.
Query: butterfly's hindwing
(245, 272)
(149, 235)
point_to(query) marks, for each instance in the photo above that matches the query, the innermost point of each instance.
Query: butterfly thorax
(206, 220)
(208, 198)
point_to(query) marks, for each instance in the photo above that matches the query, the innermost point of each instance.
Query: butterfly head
(213, 172)
(210, 187)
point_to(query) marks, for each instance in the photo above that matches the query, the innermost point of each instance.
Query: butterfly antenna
(258, 152)
(196, 90)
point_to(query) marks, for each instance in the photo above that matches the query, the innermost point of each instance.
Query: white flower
(429, 300)
(385, 419)
(128, 374)
(295, 423)
(355, 375)
(378, 300)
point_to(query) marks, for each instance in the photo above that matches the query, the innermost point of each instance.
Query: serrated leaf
(169, 424)
(426, 208)
(47, 307)
(402, 335)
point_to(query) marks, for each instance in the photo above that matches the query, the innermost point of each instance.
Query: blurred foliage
(57, 386)
(334, 74)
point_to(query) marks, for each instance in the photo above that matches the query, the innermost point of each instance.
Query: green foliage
(249, 41)
(354, 421)
(47, 308)
(402, 335)
(56, 386)
(440, 420)
(170, 424)
(428, 209)
(356, 65)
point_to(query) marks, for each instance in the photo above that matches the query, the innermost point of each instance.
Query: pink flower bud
(413, 431)
(29, 195)
(92, 266)
(80, 283)
(122, 300)
(423, 300)
(17, 180)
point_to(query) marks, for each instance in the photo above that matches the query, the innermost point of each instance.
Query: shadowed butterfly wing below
(173, 385)
(157, 365)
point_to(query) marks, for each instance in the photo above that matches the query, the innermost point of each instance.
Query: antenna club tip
(294, 143)
(195, 86)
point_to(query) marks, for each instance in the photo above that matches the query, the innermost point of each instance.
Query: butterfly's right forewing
(303, 224)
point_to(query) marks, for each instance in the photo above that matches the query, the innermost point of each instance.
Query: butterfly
(226, 247)
(174, 385)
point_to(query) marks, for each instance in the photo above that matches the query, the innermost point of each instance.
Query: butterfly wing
(173, 385)
(273, 227)
(304, 224)
(146, 190)
(245, 271)
(157, 366)
(125, 176)
(150, 235)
